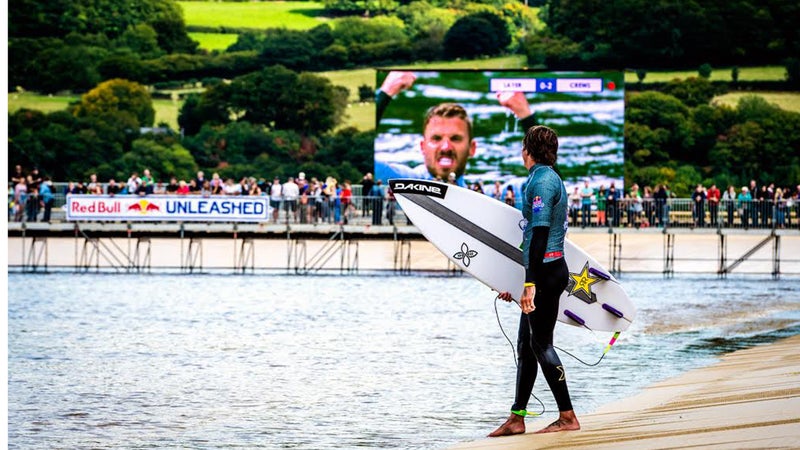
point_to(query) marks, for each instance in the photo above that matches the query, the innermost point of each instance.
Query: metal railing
(625, 213)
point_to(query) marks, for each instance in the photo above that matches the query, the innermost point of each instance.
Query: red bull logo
(143, 206)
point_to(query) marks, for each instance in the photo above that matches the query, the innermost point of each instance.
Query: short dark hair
(541, 143)
(448, 111)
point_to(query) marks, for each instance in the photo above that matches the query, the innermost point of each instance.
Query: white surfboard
(484, 236)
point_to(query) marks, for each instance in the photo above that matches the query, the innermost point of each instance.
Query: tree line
(273, 117)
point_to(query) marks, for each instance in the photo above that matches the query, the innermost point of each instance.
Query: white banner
(175, 208)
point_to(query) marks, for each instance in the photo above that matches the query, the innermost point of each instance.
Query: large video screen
(585, 108)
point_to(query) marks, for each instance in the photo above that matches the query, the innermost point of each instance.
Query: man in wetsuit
(546, 276)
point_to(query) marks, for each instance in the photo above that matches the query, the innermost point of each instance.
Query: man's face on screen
(446, 146)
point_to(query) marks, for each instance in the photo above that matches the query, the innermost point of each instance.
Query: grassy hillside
(362, 115)
(214, 41)
(765, 73)
(789, 101)
(291, 14)
(166, 110)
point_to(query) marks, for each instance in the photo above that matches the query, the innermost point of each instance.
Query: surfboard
(483, 236)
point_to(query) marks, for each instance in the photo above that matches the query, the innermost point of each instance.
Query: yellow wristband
(529, 285)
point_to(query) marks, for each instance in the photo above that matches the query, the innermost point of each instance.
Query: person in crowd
(206, 190)
(754, 208)
(648, 203)
(587, 193)
(183, 188)
(192, 185)
(601, 206)
(367, 182)
(17, 175)
(376, 196)
(148, 181)
(275, 198)
(232, 188)
(729, 201)
(47, 198)
(745, 201)
(172, 186)
(32, 204)
(765, 204)
(510, 197)
(698, 206)
(112, 188)
(347, 202)
(713, 197)
(390, 205)
(291, 192)
(34, 179)
(20, 199)
(497, 193)
(660, 200)
(574, 206)
(198, 182)
(779, 220)
(546, 277)
(133, 183)
(93, 187)
(612, 206)
(216, 181)
(254, 188)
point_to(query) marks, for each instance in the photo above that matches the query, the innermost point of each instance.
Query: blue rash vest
(545, 205)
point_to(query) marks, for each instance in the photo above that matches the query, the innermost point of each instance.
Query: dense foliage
(272, 117)
(672, 33)
(670, 141)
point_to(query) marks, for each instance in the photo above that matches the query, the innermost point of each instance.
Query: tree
(114, 97)
(705, 71)
(692, 91)
(164, 159)
(477, 34)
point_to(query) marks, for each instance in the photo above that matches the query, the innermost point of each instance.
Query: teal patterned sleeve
(545, 192)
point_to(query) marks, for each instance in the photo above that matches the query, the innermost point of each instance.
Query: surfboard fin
(613, 310)
(574, 317)
(599, 274)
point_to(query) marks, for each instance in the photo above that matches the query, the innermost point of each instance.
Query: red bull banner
(167, 208)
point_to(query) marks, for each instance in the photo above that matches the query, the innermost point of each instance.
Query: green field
(764, 73)
(166, 110)
(292, 15)
(789, 101)
(214, 41)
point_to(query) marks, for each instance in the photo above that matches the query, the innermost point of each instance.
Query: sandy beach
(749, 399)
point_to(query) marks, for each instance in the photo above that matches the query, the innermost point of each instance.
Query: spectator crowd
(312, 200)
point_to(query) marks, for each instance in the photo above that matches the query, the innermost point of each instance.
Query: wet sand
(749, 399)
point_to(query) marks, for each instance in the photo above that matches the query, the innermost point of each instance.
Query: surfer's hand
(516, 102)
(505, 296)
(526, 302)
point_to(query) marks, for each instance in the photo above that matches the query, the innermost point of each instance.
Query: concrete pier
(309, 248)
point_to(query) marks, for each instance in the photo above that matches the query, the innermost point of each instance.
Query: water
(221, 361)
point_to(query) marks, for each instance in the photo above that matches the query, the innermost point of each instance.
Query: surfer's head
(447, 141)
(541, 144)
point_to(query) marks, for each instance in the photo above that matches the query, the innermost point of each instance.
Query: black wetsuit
(545, 210)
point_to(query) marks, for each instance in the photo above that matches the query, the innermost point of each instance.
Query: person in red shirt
(712, 196)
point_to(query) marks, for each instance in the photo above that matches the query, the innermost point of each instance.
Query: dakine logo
(418, 187)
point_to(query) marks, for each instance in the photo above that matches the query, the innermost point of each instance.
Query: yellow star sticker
(583, 281)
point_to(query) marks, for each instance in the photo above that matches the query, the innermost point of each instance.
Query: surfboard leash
(608, 347)
(522, 413)
(605, 351)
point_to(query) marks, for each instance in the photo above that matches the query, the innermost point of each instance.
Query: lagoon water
(314, 362)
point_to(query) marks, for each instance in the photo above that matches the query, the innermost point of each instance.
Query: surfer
(447, 134)
(546, 276)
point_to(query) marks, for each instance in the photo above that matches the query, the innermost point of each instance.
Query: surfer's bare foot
(567, 421)
(514, 425)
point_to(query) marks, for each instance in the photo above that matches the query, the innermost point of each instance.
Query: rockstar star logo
(580, 284)
(465, 255)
